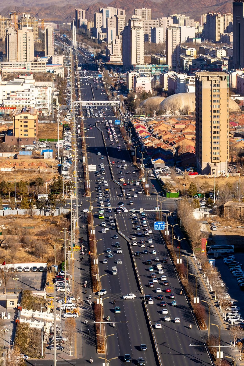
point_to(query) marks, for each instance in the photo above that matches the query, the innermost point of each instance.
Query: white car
(70, 315)
(165, 311)
(163, 278)
(150, 302)
(158, 289)
(129, 297)
(158, 326)
(154, 252)
(102, 292)
(167, 318)
(177, 320)
(118, 261)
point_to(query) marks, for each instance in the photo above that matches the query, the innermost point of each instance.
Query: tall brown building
(212, 122)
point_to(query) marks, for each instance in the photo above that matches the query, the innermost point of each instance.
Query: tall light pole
(208, 318)
(216, 325)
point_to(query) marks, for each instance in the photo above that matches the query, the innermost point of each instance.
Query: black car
(141, 361)
(143, 347)
(127, 357)
(115, 236)
(148, 262)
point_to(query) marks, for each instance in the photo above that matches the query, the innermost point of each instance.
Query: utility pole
(65, 266)
(55, 329)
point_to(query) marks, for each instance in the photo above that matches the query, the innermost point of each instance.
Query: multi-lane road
(177, 344)
(175, 341)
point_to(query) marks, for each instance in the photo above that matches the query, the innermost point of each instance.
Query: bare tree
(70, 327)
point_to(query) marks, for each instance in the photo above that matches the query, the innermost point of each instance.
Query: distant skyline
(162, 8)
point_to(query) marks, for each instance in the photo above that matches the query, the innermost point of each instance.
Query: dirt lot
(205, 183)
(28, 169)
(49, 131)
(32, 239)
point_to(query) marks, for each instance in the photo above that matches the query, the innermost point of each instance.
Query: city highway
(174, 339)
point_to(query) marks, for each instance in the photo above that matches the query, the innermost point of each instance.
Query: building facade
(11, 45)
(25, 125)
(212, 122)
(238, 32)
(25, 44)
(173, 37)
(133, 43)
(49, 41)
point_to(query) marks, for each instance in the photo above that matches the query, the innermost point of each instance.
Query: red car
(168, 290)
(124, 184)
(193, 173)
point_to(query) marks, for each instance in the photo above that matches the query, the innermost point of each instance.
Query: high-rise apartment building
(157, 35)
(11, 45)
(120, 21)
(165, 22)
(133, 42)
(238, 34)
(111, 29)
(144, 13)
(80, 18)
(212, 122)
(49, 41)
(216, 24)
(173, 38)
(28, 21)
(25, 44)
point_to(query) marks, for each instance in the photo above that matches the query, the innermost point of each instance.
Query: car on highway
(105, 261)
(162, 304)
(129, 296)
(143, 347)
(177, 320)
(173, 303)
(117, 310)
(102, 292)
(158, 325)
(127, 358)
(167, 318)
(118, 261)
(140, 361)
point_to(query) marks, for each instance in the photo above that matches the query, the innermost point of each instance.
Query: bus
(220, 249)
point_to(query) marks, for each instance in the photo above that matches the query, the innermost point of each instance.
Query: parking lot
(17, 281)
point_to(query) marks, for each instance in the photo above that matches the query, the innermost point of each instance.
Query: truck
(114, 270)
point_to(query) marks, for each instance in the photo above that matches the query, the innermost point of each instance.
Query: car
(127, 357)
(162, 304)
(143, 347)
(26, 269)
(108, 250)
(158, 325)
(165, 283)
(115, 236)
(164, 311)
(101, 216)
(118, 261)
(159, 297)
(140, 361)
(167, 318)
(163, 278)
(171, 296)
(168, 290)
(129, 296)
(177, 320)
(119, 251)
(150, 301)
(102, 292)
(105, 261)
(173, 303)
(110, 255)
(117, 310)
(158, 289)
(34, 269)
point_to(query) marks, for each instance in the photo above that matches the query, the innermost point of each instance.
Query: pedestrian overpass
(97, 103)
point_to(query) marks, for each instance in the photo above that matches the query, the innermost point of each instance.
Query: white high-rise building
(157, 35)
(173, 47)
(49, 41)
(26, 44)
(133, 42)
(11, 44)
(144, 13)
(74, 34)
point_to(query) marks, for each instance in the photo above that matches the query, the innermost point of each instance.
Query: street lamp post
(196, 299)
(208, 318)
(216, 325)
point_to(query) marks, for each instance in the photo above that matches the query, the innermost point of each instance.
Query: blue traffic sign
(159, 225)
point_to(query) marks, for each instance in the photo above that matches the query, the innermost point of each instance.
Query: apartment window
(216, 132)
(11, 303)
(25, 134)
(25, 130)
